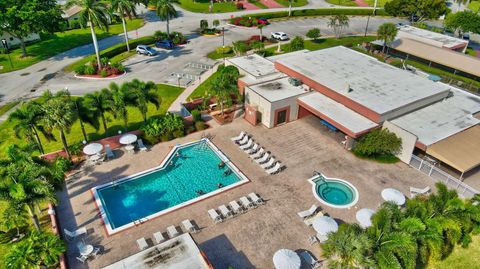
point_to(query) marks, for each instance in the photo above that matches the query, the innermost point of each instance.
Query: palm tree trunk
(221, 107)
(125, 122)
(290, 8)
(95, 45)
(104, 121)
(34, 216)
(125, 33)
(39, 143)
(83, 130)
(168, 28)
(64, 142)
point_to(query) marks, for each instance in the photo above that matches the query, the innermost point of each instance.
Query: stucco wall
(408, 141)
(264, 108)
(12, 41)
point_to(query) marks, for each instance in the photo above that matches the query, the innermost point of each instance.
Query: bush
(240, 47)
(196, 115)
(378, 143)
(103, 73)
(74, 24)
(313, 33)
(90, 70)
(224, 50)
(80, 70)
(297, 43)
(257, 38)
(314, 12)
(178, 134)
(200, 125)
(166, 137)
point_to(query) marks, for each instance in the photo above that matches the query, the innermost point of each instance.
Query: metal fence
(440, 176)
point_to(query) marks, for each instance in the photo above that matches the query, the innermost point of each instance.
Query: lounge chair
(416, 191)
(109, 152)
(309, 259)
(309, 212)
(256, 199)
(248, 145)
(244, 140)
(141, 146)
(264, 158)
(95, 252)
(227, 213)
(188, 225)
(257, 154)
(275, 169)
(82, 259)
(247, 203)
(142, 243)
(215, 216)
(236, 207)
(309, 221)
(253, 149)
(269, 164)
(72, 235)
(312, 239)
(239, 137)
(172, 231)
(159, 237)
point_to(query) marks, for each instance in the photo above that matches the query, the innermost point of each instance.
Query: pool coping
(104, 217)
(313, 180)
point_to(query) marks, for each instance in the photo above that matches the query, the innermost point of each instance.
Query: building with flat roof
(432, 38)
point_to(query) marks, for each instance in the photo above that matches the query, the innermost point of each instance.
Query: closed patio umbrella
(127, 139)
(325, 225)
(393, 195)
(93, 148)
(286, 259)
(364, 217)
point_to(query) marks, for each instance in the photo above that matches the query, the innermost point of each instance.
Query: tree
(416, 10)
(387, 32)
(290, 2)
(98, 103)
(297, 43)
(121, 97)
(464, 21)
(124, 8)
(240, 47)
(92, 14)
(257, 45)
(59, 113)
(14, 217)
(215, 23)
(378, 143)
(260, 27)
(225, 85)
(166, 11)
(203, 24)
(22, 18)
(338, 23)
(144, 93)
(313, 33)
(85, 115)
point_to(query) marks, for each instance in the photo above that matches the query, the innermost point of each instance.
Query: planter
(99, 77)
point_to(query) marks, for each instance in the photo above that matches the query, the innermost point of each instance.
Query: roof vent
(348, 88)
(295, 81)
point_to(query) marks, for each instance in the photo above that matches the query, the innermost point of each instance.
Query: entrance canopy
(461, 151)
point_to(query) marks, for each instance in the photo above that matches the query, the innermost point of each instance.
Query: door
(281, 117)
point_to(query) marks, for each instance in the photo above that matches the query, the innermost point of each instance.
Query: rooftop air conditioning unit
(295, 81)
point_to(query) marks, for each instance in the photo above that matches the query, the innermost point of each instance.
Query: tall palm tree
(98, 103)
(93, 14)
(144, 93)
(59, 113)
(387, 32)
(85, 115)
(166, 11)
(121, 97)
(290, 7)
(224, 86)
(14, 217)
(124, 8)
(337, 23)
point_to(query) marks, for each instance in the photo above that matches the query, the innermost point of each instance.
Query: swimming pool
(334, 192)
(189, 173)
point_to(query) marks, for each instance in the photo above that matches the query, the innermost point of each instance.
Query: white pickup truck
(279, 36)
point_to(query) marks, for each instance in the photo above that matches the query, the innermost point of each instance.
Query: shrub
(215, 23)
(103, 73)
(178, 134)
(257, 38)
(104, 61)
(203, 24)
(239, 6)
(190, 129)
(197, 115)
(315, 12)
(80, 70)
(240, 47)
(224, 50)
(378, 143)
(74, 24)
(90, 70)
(297, 43)
(313, 33)
(166, 137)
(200, 125)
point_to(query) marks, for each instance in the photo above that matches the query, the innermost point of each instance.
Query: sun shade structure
(286, 259)
(364, 217)
(393, 195)
(127, 139)
(93, 148)
(325, 225)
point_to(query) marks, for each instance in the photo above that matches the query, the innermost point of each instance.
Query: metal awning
(461, 151)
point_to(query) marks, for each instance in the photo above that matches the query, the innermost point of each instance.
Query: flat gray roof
(279, 89)
(363, 79)
(442, 119)
(447, 41)
(337, 112)
(254, 64)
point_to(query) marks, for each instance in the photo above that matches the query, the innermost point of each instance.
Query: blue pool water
(197, 168)
(335, 192)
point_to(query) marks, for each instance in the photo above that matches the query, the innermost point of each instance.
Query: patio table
(86, 250)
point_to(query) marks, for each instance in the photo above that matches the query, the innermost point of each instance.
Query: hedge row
(319, 12)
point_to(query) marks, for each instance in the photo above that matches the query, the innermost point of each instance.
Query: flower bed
(108, 69)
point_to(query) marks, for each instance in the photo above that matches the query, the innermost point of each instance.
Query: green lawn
(168, 94)
(380, 3)
(202, 90)
(349, 3)
(461, 257)
(215, 55)
(58, 43)
(324, 43)
(202, 6)
(471, 52)
(474, 6)
(7, 107)
(260, 5)
(298, 3)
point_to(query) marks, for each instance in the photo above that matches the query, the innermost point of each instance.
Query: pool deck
(249, 240)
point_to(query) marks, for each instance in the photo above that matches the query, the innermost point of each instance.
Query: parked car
(279, 36)
(146, 50)
(165, 44)
(263, 21)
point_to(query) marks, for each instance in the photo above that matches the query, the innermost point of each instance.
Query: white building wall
(263, 106)
(408, 141)
(12, 41)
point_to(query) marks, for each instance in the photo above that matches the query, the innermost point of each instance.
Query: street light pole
(368, 18)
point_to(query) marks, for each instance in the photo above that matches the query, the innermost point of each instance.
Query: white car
(146, 50)
(279, 36)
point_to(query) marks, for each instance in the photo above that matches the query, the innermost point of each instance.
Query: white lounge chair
(248, 145)
(310, 260)
(256, 199)
(275, 169)
(82, 259)
(257, 154)
(416, 191)
(244, 140)
(172, 231)
(269, 164)
(309, 212)
(109, 152)
(264, 158)
(215, 216)
(239, 137)
(236, 207)
(227, 213)
(95, 252)
(142, 243)
(188, 225)
(247, 203)
(141, 146)
(253, 149)
(72, 235)
(159, 238)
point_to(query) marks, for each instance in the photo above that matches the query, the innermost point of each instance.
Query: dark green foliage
(196, 115)
(297, 43)
(377, 143)
(163, 128)
(178, 133)
(90, 70)
(80, 70)
(103, 73)
(200, 125)
(465, 21)
(422, 9)
(313, 33)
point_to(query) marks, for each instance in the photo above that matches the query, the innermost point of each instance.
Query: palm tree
(59, 113)
(14, 217)
(338, 22)
(387, 32)
(224, 86)
(290, 7)
(124, 8)
(27, 122)
(85, 115)
(98, 103)
(121, 97)
(21, 255)
(93, 14)
(260, 27)
(144, 93)
(166, 11)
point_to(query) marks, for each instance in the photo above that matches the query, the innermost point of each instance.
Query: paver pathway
(271, 3)
(362, 3)
(249, 6)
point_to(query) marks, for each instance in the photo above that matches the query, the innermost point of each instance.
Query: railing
(440, 176)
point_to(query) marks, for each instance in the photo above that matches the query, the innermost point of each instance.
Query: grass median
(203, 6)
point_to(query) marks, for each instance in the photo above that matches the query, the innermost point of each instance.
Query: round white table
(393, 195)
(86, 250)
(93, 148)
(95, 157)
(127, 139)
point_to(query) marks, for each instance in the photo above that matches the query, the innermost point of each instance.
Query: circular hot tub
(334, 192)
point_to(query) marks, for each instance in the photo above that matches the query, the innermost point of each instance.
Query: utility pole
(368, 18)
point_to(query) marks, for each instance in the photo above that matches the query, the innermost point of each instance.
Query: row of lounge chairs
(236, 208)
(257, 153)
(172, 232)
